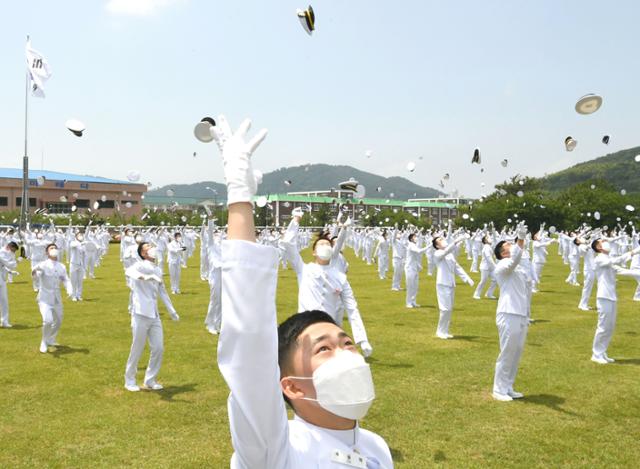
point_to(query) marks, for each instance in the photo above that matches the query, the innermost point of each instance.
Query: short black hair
(434, 241)
(594, 244)
(290, 330)
(140, 249)
(411, 236)
(498, 249)
(13, 244)
(323, 235)
(576, 241)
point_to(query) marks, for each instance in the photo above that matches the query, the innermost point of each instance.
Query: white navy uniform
(511, 318)
(412, 268)
(589, 274)
(50, 275)
(145, 319)
(323, 288)
(487, 266)
(448, 268)
(8, 264)
(606, 300)
(262, 436)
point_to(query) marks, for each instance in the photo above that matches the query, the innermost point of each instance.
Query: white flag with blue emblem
(38, 70)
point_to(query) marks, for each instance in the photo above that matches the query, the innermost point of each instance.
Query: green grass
(69, 408)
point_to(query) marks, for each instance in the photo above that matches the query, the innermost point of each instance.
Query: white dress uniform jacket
(262, 436)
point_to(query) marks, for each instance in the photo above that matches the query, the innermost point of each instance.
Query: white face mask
(39, 235)
(324, 252)
(606, 246)
(443, 244)
(151, 252)
(344, 385)
(80, 238)
(53, 252)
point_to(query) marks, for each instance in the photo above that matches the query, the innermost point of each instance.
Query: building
(281, 205)
(185, 204)
(61, 192)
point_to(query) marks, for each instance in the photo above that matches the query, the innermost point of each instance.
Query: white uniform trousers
(537, 274)
(143, 329)
(446, 296)
(91, 260)
(512, 332)
(587, 287)
(574, 264)
(636, 295)
(4, 304)
(607, 311)
(398, 269)
(474, 262)
(486, 276)
(214, 311)
(51, 321)
(76, 275)
(383, 266)
(174, 276)
(411, 281)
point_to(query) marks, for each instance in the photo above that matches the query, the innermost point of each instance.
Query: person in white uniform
(145, 281)
(606, 297)
(321, 286)
(8, 266)
(77, 266)
(398, 255)
(309, 359)
(174, 261)
(448, 268)
(487, 266)
(382, 253)
(50, 274)
(539, 256)
(511, 314)
(412, 268)
(589, 274)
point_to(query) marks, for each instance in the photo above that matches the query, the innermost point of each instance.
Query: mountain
(620, 169)
(310, 178)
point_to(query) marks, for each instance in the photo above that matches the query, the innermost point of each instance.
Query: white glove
(366, 347)
(242, 181)
(175, 317)
(297, 212)
(471, 282)
(521, 231)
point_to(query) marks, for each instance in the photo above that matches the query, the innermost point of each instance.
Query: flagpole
(24, 208)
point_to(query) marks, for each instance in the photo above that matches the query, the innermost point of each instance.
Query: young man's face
(316, 344)
(506, 250)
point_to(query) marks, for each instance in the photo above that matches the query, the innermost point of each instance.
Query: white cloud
(137, 7)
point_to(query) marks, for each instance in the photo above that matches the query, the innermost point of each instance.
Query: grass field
(69, 408)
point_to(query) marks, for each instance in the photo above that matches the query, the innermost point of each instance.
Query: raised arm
(248, 344)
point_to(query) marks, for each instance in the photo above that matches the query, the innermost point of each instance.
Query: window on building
(4, 201)
(59, 183)
(84, 185)
(32, 201)
(107, 204)
(82, 203)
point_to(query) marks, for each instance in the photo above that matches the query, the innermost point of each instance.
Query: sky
(413, 81)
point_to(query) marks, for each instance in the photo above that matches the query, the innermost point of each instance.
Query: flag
(38, 70)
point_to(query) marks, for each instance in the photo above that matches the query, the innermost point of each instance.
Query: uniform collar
(348, 437)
